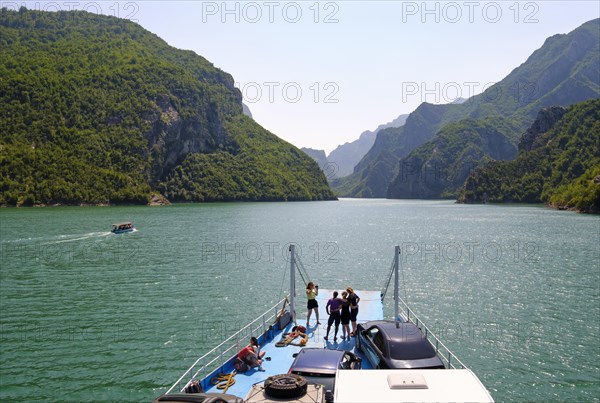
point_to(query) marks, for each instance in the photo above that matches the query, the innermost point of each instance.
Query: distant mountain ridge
(341, 161)
(348, 155)
(97, 110)
(563, 71)
(318, 156)
(246, 111)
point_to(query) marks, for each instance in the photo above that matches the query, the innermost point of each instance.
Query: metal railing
(221, 354)
(447, 356)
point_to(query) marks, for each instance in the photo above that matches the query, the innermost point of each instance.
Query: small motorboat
(121, 228)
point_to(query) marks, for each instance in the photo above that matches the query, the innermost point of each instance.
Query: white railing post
(218, 352)
(293, 281)
(396, 280)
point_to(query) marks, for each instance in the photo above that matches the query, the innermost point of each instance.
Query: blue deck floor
(370, 308)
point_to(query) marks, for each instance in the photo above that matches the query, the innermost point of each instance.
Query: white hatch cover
(437, 385)
(406, 381)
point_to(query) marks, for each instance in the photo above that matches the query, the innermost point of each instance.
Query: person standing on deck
(354, 300)
(345, 316)
(333, 308)
(311, 294)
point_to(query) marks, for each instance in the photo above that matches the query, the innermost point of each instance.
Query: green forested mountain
(440, 166)
(94, 109)
(564, 71)
(558, 163)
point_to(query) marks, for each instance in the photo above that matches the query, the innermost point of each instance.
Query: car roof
(405, 341)
(320, 360)
(405, 332)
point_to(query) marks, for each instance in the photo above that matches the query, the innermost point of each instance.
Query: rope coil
(223, 381)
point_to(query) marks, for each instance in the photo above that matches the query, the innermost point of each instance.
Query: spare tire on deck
(285, 386)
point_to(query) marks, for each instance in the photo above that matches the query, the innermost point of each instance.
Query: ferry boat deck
(452, 384)
(370, 308)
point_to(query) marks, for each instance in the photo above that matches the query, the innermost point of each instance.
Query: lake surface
(86, 315)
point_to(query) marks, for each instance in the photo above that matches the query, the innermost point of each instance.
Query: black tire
(285, 386)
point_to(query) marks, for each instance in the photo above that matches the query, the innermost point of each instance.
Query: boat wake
(82, 237)
(57, 239)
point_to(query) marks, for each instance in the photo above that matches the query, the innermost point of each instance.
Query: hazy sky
(318, 74)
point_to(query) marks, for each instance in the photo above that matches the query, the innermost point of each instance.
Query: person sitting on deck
(256, 348)
(290, 337)
(249, 357)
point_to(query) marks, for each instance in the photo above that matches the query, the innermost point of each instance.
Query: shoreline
(588, 210)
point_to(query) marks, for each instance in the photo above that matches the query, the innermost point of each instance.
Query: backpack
(240, 365)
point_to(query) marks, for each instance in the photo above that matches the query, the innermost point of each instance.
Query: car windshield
(415, 350)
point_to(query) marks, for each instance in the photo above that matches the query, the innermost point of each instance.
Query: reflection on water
(512, 290)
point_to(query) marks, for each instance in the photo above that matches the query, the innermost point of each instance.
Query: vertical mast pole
(396, 281)
(293, 282)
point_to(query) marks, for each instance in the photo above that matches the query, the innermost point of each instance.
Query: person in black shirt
(345, 315)
(354, 300)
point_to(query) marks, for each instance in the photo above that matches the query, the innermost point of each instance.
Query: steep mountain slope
(440, 166)
(558, 163)
(94, 109)
(378, 167)
(562, 72)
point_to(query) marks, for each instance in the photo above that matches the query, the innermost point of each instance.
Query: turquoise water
(90, 316)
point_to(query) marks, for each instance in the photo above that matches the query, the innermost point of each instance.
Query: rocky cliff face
(546, 118)
(171, 137)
